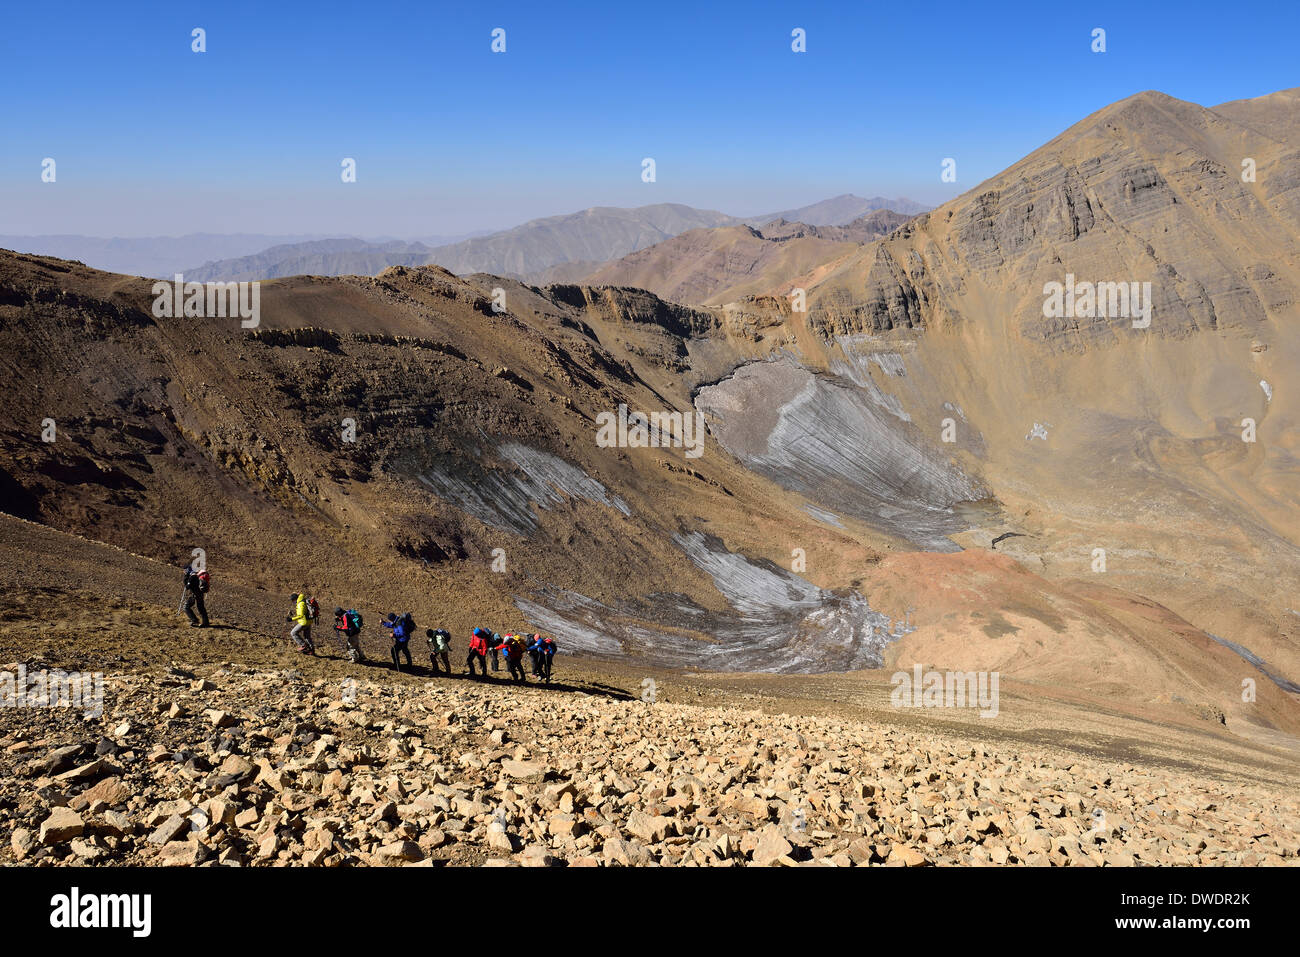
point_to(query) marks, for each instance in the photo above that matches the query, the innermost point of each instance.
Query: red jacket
(478, 645)
(513, 646)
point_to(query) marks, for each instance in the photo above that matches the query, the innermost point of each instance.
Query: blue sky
(150, 138)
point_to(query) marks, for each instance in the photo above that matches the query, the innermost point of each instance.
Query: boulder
(401, 851)
(63, 824)
(169, 830)
(110, 791)
(530, 771)
(651, 830)
(771, 845)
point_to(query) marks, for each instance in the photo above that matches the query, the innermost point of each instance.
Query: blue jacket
(399, 629)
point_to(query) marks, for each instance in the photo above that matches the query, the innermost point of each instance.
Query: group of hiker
(484, 643)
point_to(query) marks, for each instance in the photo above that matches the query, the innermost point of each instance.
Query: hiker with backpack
(303, 616)
(439, 648)
(534, 653)
(478, 649)
(494, 644)
(513, 647)
(402, 629)
(347, 625)
(543, 650)
(195, 586)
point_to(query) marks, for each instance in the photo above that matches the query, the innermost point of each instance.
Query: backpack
(313, 608)
(408, 622)
(203, 581)
(353, 619)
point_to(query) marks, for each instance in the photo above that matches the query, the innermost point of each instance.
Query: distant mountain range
(548, 249)
(324, 257)
(841, 210)
(591, 236)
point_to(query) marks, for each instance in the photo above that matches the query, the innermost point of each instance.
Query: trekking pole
(180, 606)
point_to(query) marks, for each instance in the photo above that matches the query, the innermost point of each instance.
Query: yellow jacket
(301, 613)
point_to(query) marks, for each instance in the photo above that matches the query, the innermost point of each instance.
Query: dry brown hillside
(715, 266)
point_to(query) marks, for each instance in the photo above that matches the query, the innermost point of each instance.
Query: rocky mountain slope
(230, 766)
(1150, 458)
(195, 760)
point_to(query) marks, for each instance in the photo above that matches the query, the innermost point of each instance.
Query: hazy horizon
(435, 239)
